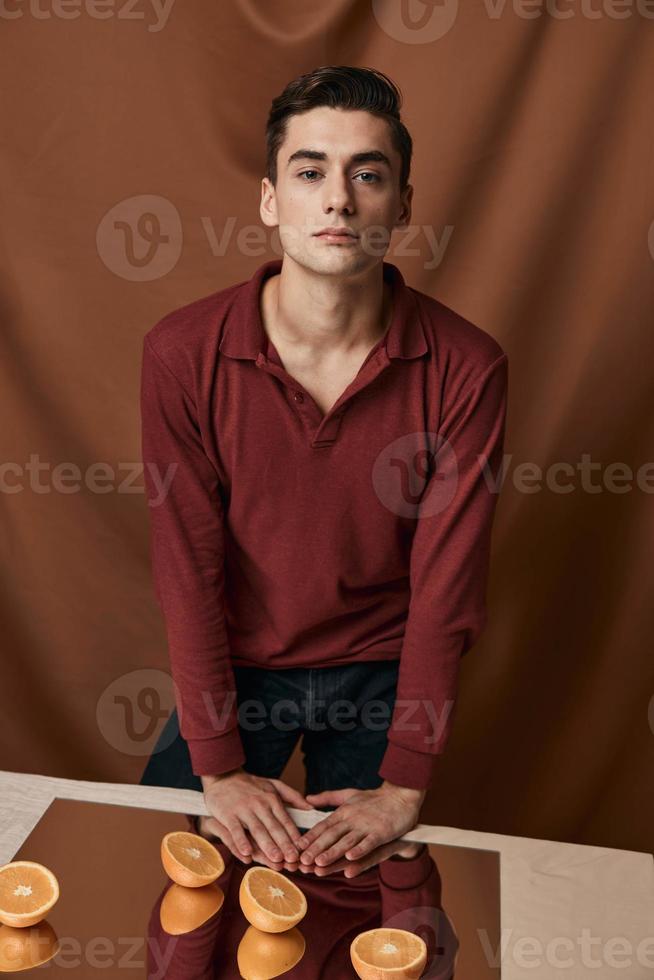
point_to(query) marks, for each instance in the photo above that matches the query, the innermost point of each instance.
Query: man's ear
(405, 213)
(268, 205)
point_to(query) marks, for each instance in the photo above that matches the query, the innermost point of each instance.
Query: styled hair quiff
(339, 87)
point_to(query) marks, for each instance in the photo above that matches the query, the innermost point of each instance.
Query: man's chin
(336, 261)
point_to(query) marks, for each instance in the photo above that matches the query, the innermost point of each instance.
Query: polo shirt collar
(245, 337)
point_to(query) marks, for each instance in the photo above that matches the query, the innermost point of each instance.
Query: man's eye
(366, 173)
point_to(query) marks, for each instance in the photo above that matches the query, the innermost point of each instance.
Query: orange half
(28, 891)
(270, 901)
(190, 860)
(388, 954)
(22, 949)
(263, 955)
(185, 909)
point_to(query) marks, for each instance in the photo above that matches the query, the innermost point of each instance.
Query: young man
(335, 437)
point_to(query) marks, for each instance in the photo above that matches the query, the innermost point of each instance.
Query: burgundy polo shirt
(284, 537)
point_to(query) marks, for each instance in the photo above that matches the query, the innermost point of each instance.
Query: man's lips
(336, 233)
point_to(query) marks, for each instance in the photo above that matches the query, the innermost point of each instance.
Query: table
(567, 910)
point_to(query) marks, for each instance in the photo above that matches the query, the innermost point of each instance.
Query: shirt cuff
(409, 873)
(213, 756)
(407, 767)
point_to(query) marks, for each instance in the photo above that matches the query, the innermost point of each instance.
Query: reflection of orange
(262, 955)
(271, 901)
(388, 953)
(23, 948)
(185, 909)
(190, 860)
(27, 893)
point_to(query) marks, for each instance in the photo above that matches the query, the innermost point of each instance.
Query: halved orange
(28, 891)
(263, 955)
(22, 949)
(185, 909)
(190, 860)
(270, 901)
(380, 954)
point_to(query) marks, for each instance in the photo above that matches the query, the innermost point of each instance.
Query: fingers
(338, 843)
(246, 802)
(233, 838)
(291, 796)
(282, 829)
(363, 849)
(237, 841)
(331, 797)
(284, 834)
(261, 858)
(290, 834)
(272, 828)
(279, 825)
(267, 833)
(313, 833)
(371, 859)
(367, 844)
(340, 848)
(352, 868)
(322, 836)
(241, 846)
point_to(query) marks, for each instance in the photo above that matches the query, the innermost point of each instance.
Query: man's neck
(320, 316)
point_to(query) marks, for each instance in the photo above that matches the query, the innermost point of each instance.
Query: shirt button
(298, 396)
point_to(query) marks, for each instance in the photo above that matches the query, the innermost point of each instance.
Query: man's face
(335, 189)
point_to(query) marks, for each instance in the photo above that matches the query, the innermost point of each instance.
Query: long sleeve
(186, 549)
(448, 575)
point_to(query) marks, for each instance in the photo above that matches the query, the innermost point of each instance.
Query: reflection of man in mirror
(321, 446)
(399, 894)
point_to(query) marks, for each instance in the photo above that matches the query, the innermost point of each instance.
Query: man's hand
(207, 827)
(239, 802)
(365, 820)
(352, 868)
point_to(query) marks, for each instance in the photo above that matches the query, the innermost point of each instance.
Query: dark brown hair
(343, 87)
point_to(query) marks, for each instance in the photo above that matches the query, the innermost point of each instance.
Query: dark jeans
(342, 714)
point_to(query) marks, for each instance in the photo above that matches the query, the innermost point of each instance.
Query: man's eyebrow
(364, 156)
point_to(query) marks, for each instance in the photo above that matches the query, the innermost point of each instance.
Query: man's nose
(338, 194)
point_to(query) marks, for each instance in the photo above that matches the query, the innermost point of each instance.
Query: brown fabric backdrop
(131, 163)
